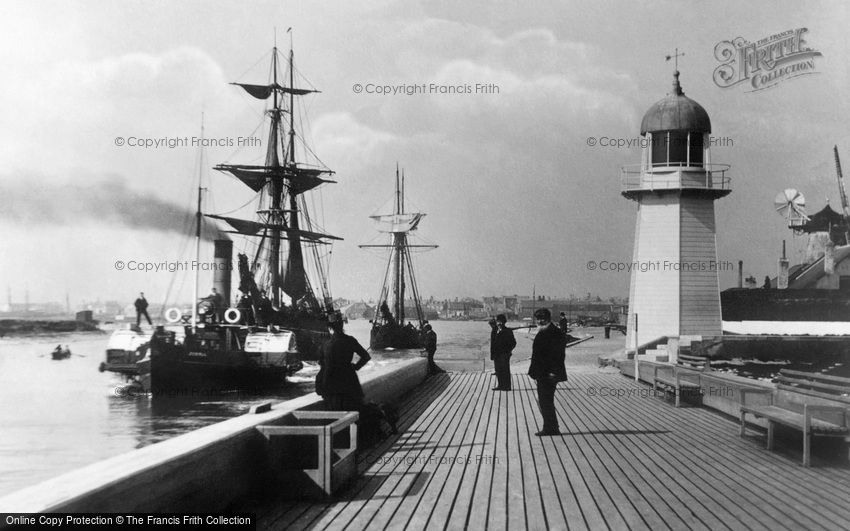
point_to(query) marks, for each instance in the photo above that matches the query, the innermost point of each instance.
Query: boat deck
(467, 457)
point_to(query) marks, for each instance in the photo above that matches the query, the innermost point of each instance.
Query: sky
(516, 197)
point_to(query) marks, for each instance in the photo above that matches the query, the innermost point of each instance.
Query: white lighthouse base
(674, 281)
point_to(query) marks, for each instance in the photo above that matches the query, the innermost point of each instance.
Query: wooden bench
(815, 404)
(687, 365)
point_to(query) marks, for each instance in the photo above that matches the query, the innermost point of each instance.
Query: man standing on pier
(502, 343)
(430, 344)
(547, 368)
(563, 324)
(141, 305)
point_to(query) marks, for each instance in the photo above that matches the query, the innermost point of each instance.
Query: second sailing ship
(388, 327)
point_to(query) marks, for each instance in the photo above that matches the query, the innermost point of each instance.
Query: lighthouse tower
(674, 287)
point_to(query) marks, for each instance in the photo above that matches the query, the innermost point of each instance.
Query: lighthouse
(674, 289)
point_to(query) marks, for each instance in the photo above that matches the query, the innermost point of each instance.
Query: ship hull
(394, 336)
(212, 360)
(172, 377)
(198, 368)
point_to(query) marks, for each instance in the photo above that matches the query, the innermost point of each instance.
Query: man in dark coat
(502, 343)
(218, 305)
(563, 324)
(547, 368)
(429, 341)
(141, 305)
(337, 380)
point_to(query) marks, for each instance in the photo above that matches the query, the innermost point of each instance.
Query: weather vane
(675, 58)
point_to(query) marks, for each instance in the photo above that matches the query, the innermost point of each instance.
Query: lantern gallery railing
(665, 176)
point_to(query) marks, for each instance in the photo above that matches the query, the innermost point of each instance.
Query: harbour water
(60, 415)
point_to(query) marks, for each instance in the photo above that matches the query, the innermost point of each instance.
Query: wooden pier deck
(467, 457)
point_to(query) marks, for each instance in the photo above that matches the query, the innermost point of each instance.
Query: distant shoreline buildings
(516, 307)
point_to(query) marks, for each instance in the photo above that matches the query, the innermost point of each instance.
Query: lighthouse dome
(676, 112)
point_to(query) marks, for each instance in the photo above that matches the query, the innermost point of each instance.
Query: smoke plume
(108, 203)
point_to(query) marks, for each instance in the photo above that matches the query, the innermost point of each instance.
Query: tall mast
(291, 108)
(296, 283)
(397, 265)
(276, 190)
(402, 258)
(198, 217)
(402, 248)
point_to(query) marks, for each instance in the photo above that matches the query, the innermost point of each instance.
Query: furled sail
(262, 92)
(397, 223)
(299, 179)
(253, 228)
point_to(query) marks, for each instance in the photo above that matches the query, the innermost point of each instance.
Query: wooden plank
(416, 512)
(845, 382)
(696, 474)
(793, 419)
(682, 384)
(618, 453)
(412, 478)
(614, 461)
(805, 384)
(568, 498)
(629, 501)
(383, 476)
(801, 392)
(477, 514)
(515, 499)
(788, 510)
(458, 508)
(676, 490)
(497, 516)
(526, 456)
(727, 475)
(469, 445)
(688, 435)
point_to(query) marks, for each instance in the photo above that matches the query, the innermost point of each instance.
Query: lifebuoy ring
(172, 315)
(232, 315)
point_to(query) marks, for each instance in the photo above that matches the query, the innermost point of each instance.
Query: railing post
(635, 335)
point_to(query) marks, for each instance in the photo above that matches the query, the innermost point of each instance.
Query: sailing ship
(255, 344)
(388, 327)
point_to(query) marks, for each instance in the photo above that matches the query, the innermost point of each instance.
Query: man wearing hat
(141, 305)
(547, 368)
(502, 343)
(429, 341)
(337, 380)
